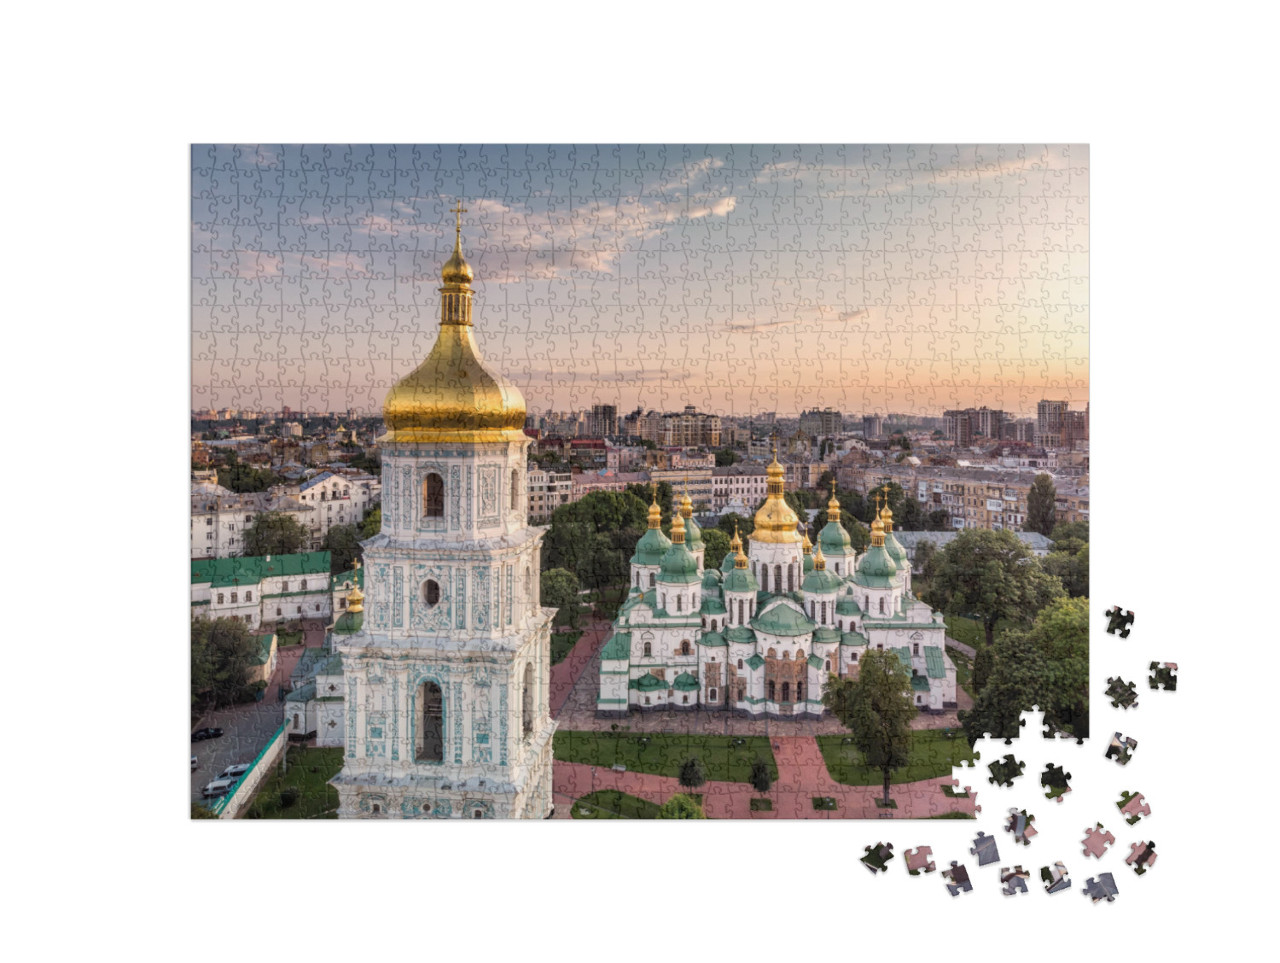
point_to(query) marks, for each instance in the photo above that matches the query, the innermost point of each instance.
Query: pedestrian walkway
(802, 775)
(566, 672)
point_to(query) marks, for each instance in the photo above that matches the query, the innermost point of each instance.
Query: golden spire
(805, 544)
(655, 510)
(877, 532)
(886, 513)
(819, 560)
(686, 503)
(833, 506)
(775, 521)
(677, 530)
(456, 270)
(739, 559)
(735, 543)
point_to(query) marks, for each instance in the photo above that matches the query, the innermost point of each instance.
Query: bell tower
(447, 681)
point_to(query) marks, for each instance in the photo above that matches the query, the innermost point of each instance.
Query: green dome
(783, 620)
(895, 550)
(693, 535)
(678, 565)
(653, 545)
(847, 606)
(740, 580)
(877, 563)
(808, 563)
(821, 583)
(348, 623)
(834, 539)
(711, 579)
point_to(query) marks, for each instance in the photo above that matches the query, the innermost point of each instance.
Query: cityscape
(458, 605)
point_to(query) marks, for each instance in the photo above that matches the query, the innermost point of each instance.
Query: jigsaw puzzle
(1019, 823)
(1134, 806)
(959, 877)
(1056, 781)
(1123, 694)
(984, 847)
(1096, 841)
(1164, 675)
(1014, 880)
(1118, 622)
(1054, 878)
(1121, 749)
(918, 860)
(1142, 856)
(617, 481)
(877, 857)
(1102, 887)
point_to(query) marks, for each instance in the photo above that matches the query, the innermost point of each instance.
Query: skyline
(736, 279)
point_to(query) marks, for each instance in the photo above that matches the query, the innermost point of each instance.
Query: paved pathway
(801, 776)
(566, 672)
(960, 647)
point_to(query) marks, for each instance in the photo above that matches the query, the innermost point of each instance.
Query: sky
(734, 278)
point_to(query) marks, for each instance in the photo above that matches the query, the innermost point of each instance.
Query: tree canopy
(343, 545)
(692, 775)
(222, 650)
(681, 806)
(241, 478)
(717, 543)
(595, 536)
(726, 457)
(851, 506)
(560, 591)
(989, 576)
(1042, 512)
(371, 525)
(275, 533)
(877, 710)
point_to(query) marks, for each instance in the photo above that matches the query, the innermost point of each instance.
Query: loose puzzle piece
(1121, 749)
(1142, 856)
(877, 856)
(1133, 806)
(918, 861)
(1123, 694)
(1003, 773)
(1118, 623)
(1103, 887)
(1164, 676)
(1054, 878)
(1056, 781)
(959, 877)
(1019, 823)
(984, 847)
(1096, 841)
(1014, 880)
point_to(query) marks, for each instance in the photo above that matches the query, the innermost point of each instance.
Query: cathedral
(761, 636)
(443, 661)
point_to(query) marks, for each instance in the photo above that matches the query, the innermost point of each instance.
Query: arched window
(777, 578)
(430, 737)
(711, 695)
(515, 489)
(652, 578)
(739, 611)
(234, 598)
(799, 692)
(828, 665)
(431, 592)
(772, 653)
(742, 693)
(786, 692)
(811, 608)
(866, 603)
(824, 613)
(684, 647)
(648, 648)
(882, 605)
(837, 568)
(772, 690)
(799, 655)
(433, 496)
(478, 814)
(786, 656)
(304, 585)
(295, 720)
(526, 701)
(679, 602)
(916, 649)
(664, 600)
(739, 663)
(791, 577)
(853, 657)
(637, 579)
(764, 578)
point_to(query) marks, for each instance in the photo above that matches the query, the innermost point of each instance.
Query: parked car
(206, 733)
(234, 772)
(219, 787)
(195, 764)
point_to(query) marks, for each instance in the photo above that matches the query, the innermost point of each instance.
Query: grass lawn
(562, 644)
(953, 816)
(309, 773)
(724, 758)
(288, 638)
(613, 804)
(932, 755)
(762, 805)
(970, 631)
(824, 803)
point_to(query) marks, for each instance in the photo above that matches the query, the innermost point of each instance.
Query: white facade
(220, 517)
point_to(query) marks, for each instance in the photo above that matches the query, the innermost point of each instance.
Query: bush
(692, 774)
(760, 777)
(288, 797)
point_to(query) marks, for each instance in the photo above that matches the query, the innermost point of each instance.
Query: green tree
(343, 545)
(1045, 665)
(201, 811)
(726, 457)
(275, 533)
(1071, 567)
(826, 481)
(692, 775)
(717, 543)
(681, 806)
(746, 524)
(877, 710)
(761, 779)
(989, 576)
(925, 559)
(240, 477)
(371, 463)
(851, 506)
(1064, 531)
(371, 525)
(1041, 510)
(222, 650)
(937, 520)
(560, 591)
(645, 494)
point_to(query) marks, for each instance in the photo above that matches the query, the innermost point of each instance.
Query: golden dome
(735, 543)
(886, 514)
(775, 521)
(677, 530)
(655, 511)
(686, 503)
(833, 506)
(806, 544)
(877, 531)
(819, 560)
(452, 397)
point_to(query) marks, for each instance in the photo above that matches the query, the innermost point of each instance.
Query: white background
(104, 100)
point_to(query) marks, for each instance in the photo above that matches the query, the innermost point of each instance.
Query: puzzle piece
(1056, 781)
(1003, 773)
(959, 877)
(1133, 806)
(1096, 841)
(1121, 749)
(1142, 856)
(877, 856)
(1013, 880)
(1054, 878)
(1164, 676)
(1119, 622)
(984, 847)
(918, 861)
(1019, 823)
(1122, 694)
(1102, 887)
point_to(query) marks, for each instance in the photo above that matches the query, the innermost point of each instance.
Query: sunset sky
(734, 278)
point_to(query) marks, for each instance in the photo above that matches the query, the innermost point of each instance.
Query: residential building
(262, 590)
(738, 488)
(826, 422)
(548, 490)
(220, 517)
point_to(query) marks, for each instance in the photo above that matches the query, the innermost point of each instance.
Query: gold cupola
(655, 512)
(355, 598)
(452, 397)
(877, 533)
(775, 521)
(833, 506)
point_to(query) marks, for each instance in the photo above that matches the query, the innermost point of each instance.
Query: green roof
(679, 566)
(895, 549)
(740, 633)
(250, 570)
(337, 580)
(727, 563)
(304, 694)
(349, 623)
(617, 648)
(755, 661)
(848, 605)
(853, 638)
(686, 683)
(713, 639)
(920, 683)
(821, 583)
(808, 562)
(834, 539)
(933, 662)
(815, 662)
(264, 649)
(331, 665)
(872, 581)
(711, 579)
(877, 563)
(651, 547)
(712, 606)
(782, 619)
(903, 654)
(824, 634)
(740, 580)
(648, 682)
(693, 535)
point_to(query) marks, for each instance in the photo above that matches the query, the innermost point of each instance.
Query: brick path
(801, 776)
